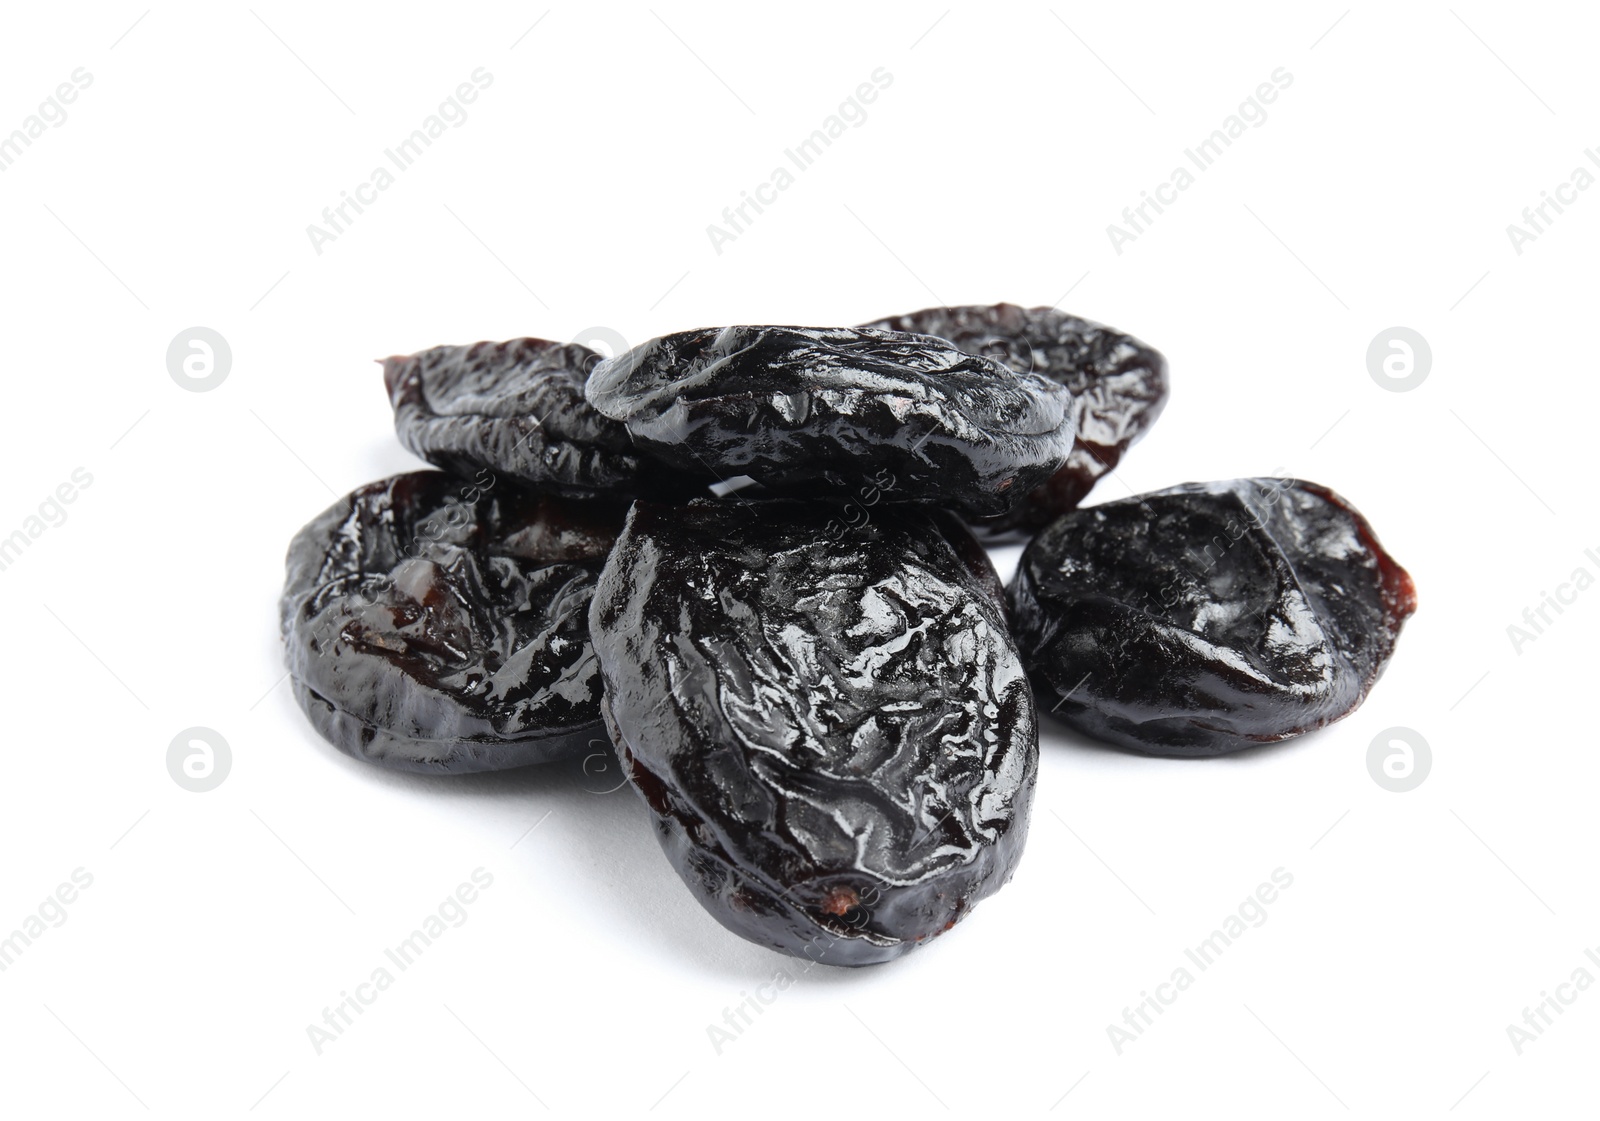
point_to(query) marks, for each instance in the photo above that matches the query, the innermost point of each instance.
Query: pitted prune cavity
(831, 727)
(517, 408)
(440, 625)
(1208, 617)
(818, 411)
(1119, 387)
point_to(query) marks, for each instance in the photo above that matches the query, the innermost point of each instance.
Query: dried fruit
(835, 734)
(819, 411)
(1208, 617)
(1118, 384)
(440, 625)
(517, 408)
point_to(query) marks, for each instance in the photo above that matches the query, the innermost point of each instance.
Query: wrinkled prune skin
(517, 408)
(819, 411)
(1119, 387)
(1208, 617)
(440, 625)
(831, 726)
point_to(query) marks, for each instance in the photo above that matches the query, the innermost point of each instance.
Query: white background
(577, 194)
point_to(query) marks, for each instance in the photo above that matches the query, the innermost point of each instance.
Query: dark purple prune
(1208, 617)
(1118, 384)
(829, 722)
(517, 408)
(440, 625)
(832, 410)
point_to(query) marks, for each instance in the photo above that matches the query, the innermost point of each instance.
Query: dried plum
(1118, 384)
(833, 731)
(440, 625)
(1208, 617)
(828, 410)
(517, 408)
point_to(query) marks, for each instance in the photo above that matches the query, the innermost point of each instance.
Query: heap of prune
(1118, 386)
(1208, 617)
(440, 625)
(816, 684)
(835, 734)
(811, 410)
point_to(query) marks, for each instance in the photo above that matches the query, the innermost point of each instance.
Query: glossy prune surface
(821, 411)
(1118, 384)
(1208, 617)
(440, 625)
(517, 408)
(833, 730)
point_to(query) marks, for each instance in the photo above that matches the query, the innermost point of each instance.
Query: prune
(1118, 385)
(517, 408)
(829, 410)
(1208, 617)
(832, 729)
(440, 625)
